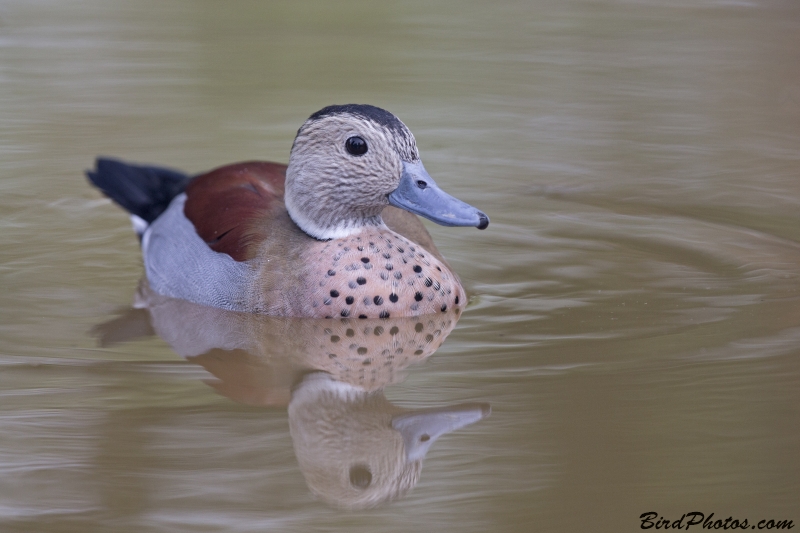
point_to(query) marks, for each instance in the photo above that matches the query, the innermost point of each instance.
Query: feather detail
(226, 205)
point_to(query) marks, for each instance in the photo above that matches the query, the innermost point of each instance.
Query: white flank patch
(139, 224)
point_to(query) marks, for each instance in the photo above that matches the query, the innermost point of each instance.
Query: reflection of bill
(354, 447)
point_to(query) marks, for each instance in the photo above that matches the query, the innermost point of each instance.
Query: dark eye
(360, 476)
(356, 146)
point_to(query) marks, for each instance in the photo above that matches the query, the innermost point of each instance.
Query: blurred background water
(634, 320)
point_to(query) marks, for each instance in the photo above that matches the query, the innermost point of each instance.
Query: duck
(333, 234)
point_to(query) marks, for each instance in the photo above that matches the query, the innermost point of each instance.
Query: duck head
(356, 449)
(348, 162)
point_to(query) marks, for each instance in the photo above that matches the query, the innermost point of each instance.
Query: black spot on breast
(335, 338)
(365, 260)
(418, 296)
(389, 266)
(387, 255)
(436, 286)
(398, 275)
(334, 293)
(418, 352)
(456, 300)
(331, 272)
(394, 331)
(384, 314)
(360, 248)
(384, 276)
(361, 351)
(378, 300)
(378, 331)
(444, 308)
(393, 298)
(349, 332)
(428, 282)
(439, 268)
(362, 316)
(361, 281)
(418, 327)
(345, 312)
(352, 284)
(417, 269)
(349, 300)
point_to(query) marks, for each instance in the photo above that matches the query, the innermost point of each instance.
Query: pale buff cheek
(321, 170)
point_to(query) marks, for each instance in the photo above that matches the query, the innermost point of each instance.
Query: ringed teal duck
(316, 238)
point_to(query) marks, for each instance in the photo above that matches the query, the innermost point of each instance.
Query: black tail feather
(143, 191)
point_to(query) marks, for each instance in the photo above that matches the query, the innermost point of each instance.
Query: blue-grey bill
(419, 194)
(421, 428)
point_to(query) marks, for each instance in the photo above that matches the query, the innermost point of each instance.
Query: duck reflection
(354, 448)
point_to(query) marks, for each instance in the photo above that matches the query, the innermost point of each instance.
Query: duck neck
(318, 220)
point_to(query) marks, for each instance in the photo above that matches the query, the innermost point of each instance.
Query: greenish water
(635, 322)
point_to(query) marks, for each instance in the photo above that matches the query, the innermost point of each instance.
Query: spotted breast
(380, 274)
